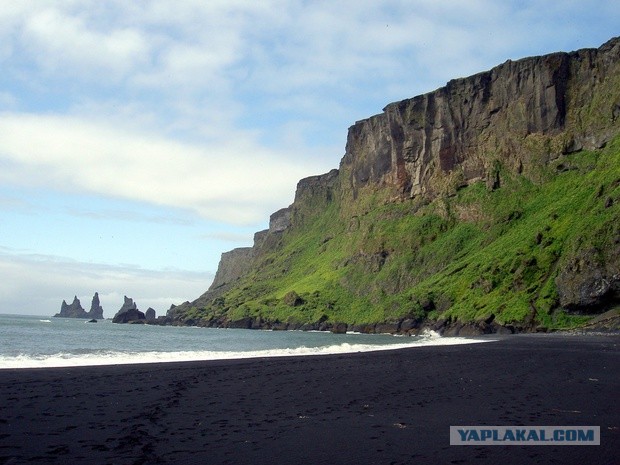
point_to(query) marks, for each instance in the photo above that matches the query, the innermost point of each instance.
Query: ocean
(36, 342)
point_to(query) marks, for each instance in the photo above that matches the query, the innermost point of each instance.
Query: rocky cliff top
(457, 133)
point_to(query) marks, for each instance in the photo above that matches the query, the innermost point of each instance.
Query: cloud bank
(233, 181)
(33, 283)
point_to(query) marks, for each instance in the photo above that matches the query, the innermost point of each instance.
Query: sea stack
(74, 310)
(96, 310)
(150, 314)
(129, 313)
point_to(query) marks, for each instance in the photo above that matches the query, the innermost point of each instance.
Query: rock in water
(150, 314)
(96, 310)
(128, 313)
(74, 310)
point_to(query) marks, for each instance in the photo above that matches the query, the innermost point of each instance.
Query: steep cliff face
(238, 262)
(519, 114)
(233, 265)
(488, 202)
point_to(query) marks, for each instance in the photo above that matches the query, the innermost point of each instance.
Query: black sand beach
(370, 408)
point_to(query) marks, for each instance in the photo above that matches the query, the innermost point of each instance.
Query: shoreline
(392, 406)
(338, 347)
(156, 347)
(603, 323)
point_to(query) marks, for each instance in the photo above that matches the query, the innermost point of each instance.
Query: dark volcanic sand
(371, 408)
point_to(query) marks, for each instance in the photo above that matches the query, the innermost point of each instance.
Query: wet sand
(391, 407)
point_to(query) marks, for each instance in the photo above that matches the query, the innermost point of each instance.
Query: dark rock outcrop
(590, 281)
(96, 310)
(150, 314)
(129, 313)
(292, 299)
(280, 220)
(339, 328)
(75, 310)
(606, 322)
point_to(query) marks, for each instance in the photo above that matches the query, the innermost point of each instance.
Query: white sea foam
(45, 321)
(120, 357)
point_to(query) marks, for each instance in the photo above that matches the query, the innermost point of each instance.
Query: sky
(140, 140)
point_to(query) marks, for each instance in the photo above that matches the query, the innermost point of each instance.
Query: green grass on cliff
(469, 256)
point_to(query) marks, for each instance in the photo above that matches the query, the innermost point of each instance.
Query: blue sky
(140, 140)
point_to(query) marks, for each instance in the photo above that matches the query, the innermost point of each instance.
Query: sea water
(35, 341)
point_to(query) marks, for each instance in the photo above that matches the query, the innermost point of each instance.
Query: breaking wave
(98, 357)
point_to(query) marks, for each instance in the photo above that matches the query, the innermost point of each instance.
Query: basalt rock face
(236, 263)
(280, 220)
(96, 310)
(521, 120)
(233, 265)
(519, 114)
(150, 314)
(313, 195)
(75, 310)
(129, 313)
(591, 280)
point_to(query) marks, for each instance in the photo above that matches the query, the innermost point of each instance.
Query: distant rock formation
(75, 310)
(150, 314)
(96, 310)
(129, 313)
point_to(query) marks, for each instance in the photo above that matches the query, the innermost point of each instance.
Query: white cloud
(37, 284)
(66, 44)
(122, 215)
(228, 236)
(281, 48)
(233, 181)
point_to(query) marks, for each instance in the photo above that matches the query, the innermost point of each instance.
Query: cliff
(489, 203)
(521, 114)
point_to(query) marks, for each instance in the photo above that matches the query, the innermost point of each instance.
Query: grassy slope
(469, 256)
